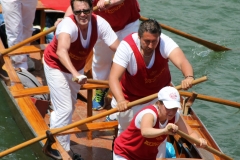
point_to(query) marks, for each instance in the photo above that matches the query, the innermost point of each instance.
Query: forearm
(115, 2)
(116, 89)
(152, 132)
(195, 135)
(186, 69)
(109, 3)
(65, 60)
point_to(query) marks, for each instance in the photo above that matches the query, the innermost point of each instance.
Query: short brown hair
(151, 26)
(88, 1)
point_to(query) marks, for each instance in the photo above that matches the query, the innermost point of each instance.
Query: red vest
(146, 81)
(132, 145)
(120, 15)
(77, 53)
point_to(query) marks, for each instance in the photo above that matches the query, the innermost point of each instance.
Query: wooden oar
(205, 43)
(211, 99)
(208, 148)
(89, 119)
(97, 81)
(93, 81)
(28, 40)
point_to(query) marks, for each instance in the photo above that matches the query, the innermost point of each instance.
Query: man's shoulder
(164, 36)
(67, 21)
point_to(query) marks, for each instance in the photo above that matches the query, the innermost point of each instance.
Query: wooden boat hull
(37, 124)
(22, 122)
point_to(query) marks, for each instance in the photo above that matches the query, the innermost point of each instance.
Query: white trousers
(103, 55)
(18, 17)
(63, 94)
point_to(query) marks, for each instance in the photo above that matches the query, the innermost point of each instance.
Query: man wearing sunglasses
(123, 17)
(65, 57)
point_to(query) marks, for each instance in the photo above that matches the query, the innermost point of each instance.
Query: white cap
(170, 97)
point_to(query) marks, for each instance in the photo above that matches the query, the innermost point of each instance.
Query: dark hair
(88, 1)
(151, 26)
(159, 102)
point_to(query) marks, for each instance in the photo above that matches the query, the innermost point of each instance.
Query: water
(9, 131)
(216, 21)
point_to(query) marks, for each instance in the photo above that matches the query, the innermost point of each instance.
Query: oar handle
(89, 119)
(210, 149)
(196, 81)
(205, 43)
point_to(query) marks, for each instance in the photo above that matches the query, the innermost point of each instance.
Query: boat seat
(28, 49)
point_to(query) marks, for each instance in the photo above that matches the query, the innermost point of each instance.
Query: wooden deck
(90, 146)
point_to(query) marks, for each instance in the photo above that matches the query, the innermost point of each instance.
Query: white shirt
(104, 31)
(124, 55)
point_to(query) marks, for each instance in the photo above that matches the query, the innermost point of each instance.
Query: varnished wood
(28, 40)
(210, 149)
(29, 91)
(45, 89)
(212, 99)
(189, 103)
(193, 123)
(91, 127)
(28, 49)
(93, 86)
(37, 123)
(88, 65)
(89, 110)
(86, 120)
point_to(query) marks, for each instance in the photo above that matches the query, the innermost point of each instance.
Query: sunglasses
(85, 11)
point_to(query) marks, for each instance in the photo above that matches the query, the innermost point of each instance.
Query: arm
(114, 46)
(147, 129)
(68, 11)
(101, 4)
(183, 126)
(64, 42)
(114, 79)
(178, 58)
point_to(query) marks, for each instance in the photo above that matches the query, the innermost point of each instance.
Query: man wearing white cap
(146, 136)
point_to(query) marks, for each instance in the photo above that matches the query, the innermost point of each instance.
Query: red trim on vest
(132, 145)
(146, 81)
(120, 15)
(77, 53)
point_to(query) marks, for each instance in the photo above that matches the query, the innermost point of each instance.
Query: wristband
(189, 76)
